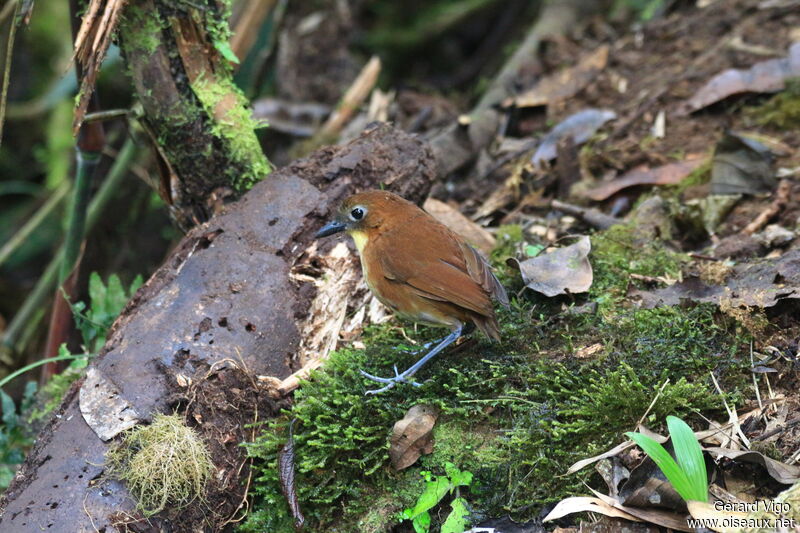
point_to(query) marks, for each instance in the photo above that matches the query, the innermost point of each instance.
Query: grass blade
(690, 457)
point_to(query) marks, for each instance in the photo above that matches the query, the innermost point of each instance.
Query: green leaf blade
(690, 457)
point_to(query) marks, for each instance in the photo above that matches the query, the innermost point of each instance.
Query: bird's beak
(329, 229)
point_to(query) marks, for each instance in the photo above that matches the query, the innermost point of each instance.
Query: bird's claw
(390, 382)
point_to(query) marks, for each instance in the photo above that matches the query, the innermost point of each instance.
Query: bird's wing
(439, 266)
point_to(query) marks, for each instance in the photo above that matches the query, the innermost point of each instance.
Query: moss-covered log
(232, 301)
(178, 58)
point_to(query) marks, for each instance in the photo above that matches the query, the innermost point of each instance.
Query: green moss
(234, 125)
(517, 414)
(619, 252)
(141, 29)
(782, 110)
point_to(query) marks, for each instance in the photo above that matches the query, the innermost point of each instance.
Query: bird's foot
(390, 382)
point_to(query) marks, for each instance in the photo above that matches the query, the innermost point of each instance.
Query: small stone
(774, 235)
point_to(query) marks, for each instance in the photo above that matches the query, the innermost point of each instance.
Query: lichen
(164, 463)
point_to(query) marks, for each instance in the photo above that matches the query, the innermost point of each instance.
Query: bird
(420, 269)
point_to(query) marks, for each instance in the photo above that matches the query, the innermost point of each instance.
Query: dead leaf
(586, 504)
(761, 283)
(453, 219)
(564, 84)
(564, 271)
(580, 126)
(709, 513)
(669, 174)
(654, 516)
(741, 166)
(103, 407)
(780, 472)
(765, 77)
(412, 436)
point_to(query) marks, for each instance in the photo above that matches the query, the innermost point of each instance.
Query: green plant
(436, 488)
(106, 303)
(687, 474)
(15, 436)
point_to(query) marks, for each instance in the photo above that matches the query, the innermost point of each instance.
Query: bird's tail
(488, 325)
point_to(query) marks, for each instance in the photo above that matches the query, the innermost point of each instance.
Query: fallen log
(227, 305)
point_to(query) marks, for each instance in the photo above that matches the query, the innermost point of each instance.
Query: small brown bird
(419, 269)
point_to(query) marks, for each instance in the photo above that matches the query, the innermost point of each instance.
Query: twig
(99, 116)
(591, 216)
(649, 407)
(33, 223)
(12, 32)
(731, 414)
(777, 205)
(779, 429)
(353, 98)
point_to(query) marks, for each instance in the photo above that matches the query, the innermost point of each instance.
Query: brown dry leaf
(669, 174)
(412, 436)
(654, 516)
(564, 84)
(706, 511)
(780, 472)
(453, 219)
(586, 504)
(765, 77)
(564, 271)
(761, 283)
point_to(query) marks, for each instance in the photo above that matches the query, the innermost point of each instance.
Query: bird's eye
(357, 213)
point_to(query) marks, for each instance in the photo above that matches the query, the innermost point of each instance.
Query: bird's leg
(403, 378)
(422, 347)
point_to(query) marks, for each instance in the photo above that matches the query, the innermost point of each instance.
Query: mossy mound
(516, 414)
(165, 463)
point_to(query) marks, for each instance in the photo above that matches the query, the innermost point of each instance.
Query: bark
(198, 120)
(224, 302)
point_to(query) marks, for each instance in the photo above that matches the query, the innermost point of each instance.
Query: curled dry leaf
(765, 77)
(564, 84)
(741, 166)
(564, 271)
(780, 472)
(286, 477)
(669, 174)
(412, 436)
(579, 126)
(453, 219)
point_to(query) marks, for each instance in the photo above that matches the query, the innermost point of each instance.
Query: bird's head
(364, 213)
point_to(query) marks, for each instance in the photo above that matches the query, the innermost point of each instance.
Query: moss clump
(782, 110)
(165, 463)
(619, 252)
(142, 29)
(233, 124)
